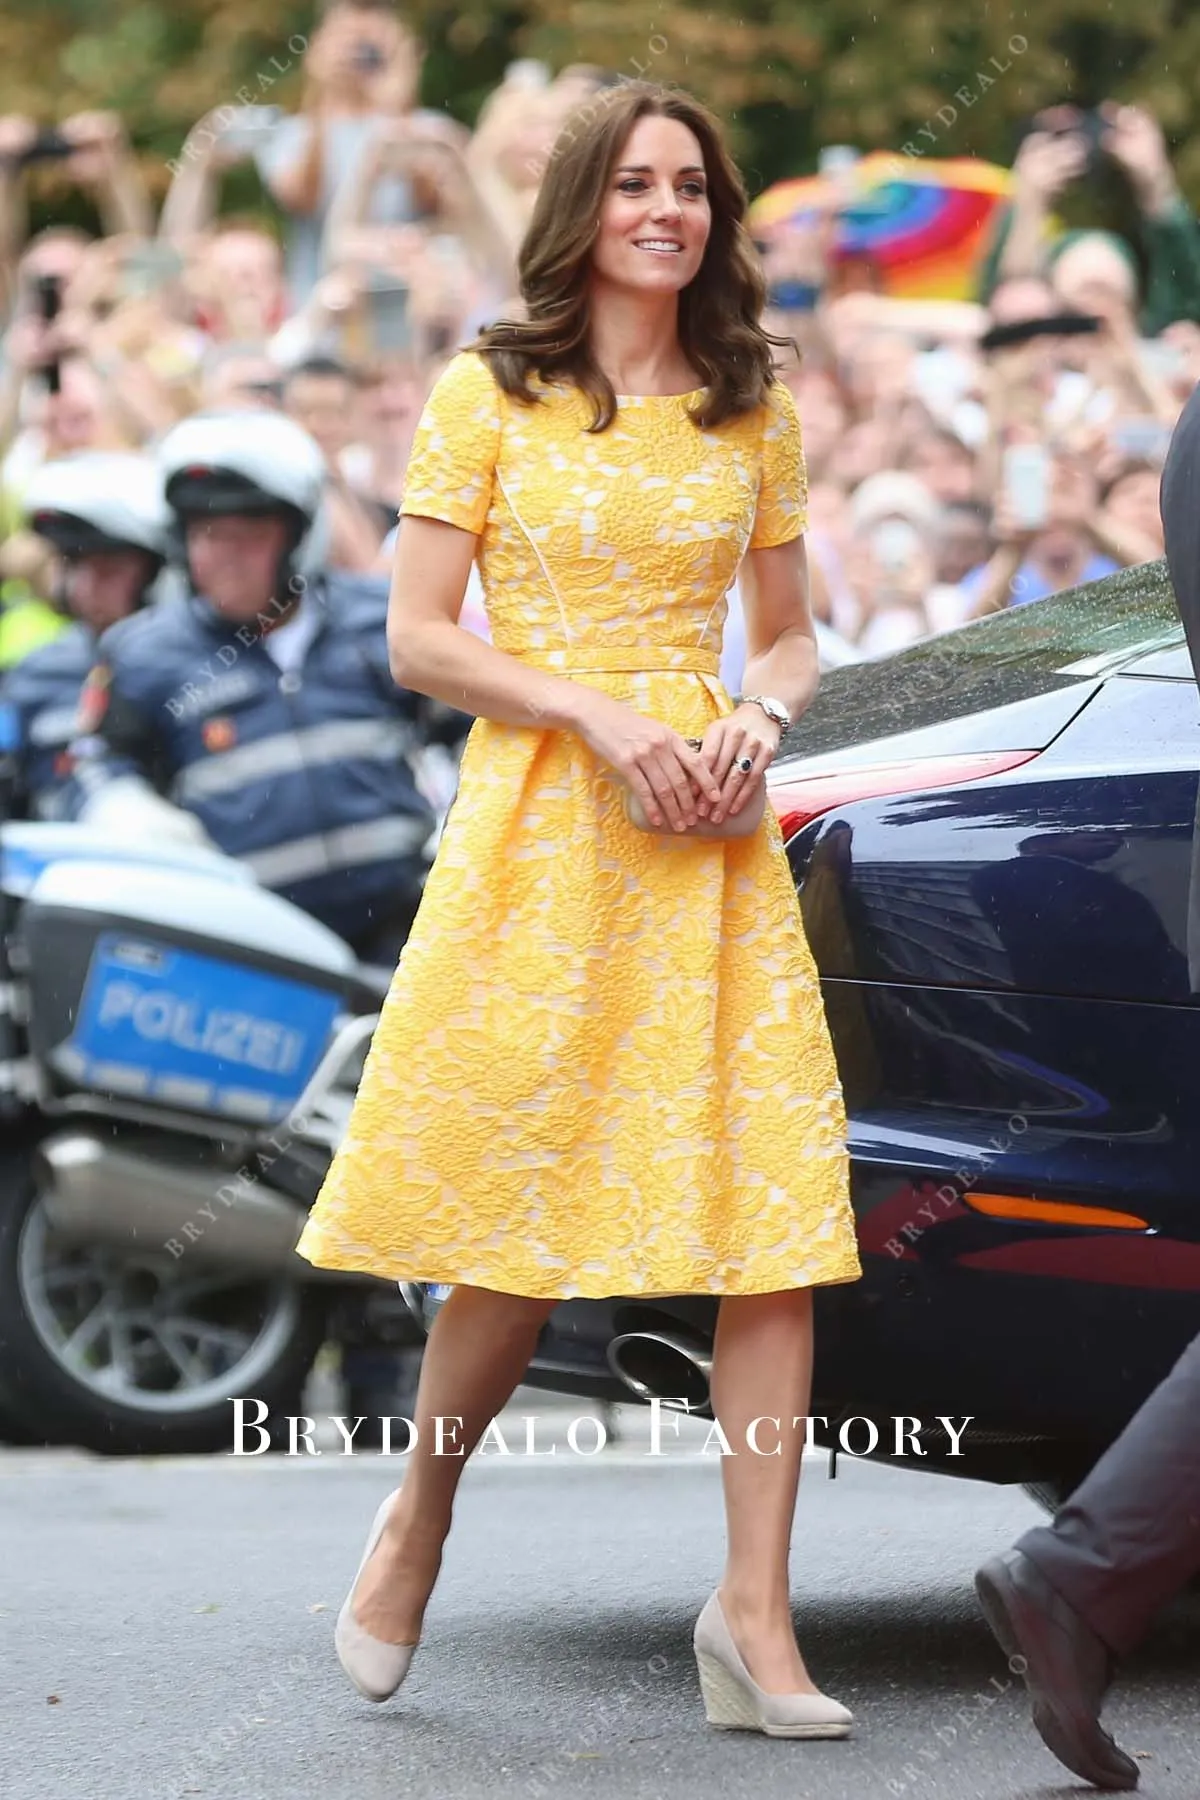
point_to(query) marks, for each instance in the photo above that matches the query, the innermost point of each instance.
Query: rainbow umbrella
(925, 224)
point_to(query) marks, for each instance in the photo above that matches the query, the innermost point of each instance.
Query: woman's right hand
(672, 781)
(1048, 161)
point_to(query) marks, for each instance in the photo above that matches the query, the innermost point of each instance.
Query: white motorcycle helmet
(252, 463)
(98, 501)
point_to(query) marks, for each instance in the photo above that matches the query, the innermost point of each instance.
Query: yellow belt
(634, 658)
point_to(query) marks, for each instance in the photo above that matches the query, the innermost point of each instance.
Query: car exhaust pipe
(666, 1366)
(95, 1193)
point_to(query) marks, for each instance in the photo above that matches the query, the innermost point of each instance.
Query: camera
(48, 146)
(47, 294)
(367, 58)
(47, 299)
(1066, 121)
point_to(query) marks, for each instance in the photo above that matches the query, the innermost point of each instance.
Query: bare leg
(479, 1347)
(762, 1368)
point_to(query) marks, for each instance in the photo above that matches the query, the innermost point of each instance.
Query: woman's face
(655, 218)
(1092, 277)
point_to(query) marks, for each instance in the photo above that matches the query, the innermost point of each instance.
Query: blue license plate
(185, 1029)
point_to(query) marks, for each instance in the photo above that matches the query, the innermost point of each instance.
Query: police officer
(260, 699)
(104, 514)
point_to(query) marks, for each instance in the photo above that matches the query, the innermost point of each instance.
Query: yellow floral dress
(603, 1065)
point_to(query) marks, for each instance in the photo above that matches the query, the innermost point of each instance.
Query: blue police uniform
(43, 690)
(301, 773)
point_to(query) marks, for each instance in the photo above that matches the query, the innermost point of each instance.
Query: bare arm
(349, 208)
(781, 641)
(16, 133)
(1012, 547)
(105, 163)
(996, 588)
(298, 185)
(430, 653)
(472, 220)
(1044, 165)
(124, 203)
(192, 196)
(26, 347)
(12, 384)
(355, 532)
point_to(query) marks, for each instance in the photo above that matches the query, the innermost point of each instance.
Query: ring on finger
(745, 764)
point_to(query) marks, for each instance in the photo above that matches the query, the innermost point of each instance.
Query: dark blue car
(994, 837)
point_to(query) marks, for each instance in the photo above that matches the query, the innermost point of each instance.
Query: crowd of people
(962, 456)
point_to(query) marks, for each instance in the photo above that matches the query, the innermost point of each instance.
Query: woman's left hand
(745, 732)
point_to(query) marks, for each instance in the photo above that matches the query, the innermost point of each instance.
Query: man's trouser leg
(1128, 1539)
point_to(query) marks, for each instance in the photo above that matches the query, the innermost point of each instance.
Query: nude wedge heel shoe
(375, 1668)
(733, 1700)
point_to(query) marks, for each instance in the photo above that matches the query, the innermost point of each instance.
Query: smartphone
(367, 58)
(47, 297)
(48, 146)
(389, 323)
(1023, 331)
(1091, 128)
(249, 127)
(1026, 480)
(895, 543)
(147, 268)
(1065, 121)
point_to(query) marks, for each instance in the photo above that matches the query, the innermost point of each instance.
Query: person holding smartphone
(362, 67)
(1061, 149)
(1045, 527)
(464, 257)
(93, 150)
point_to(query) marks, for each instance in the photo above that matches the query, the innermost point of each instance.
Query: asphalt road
(166, 1631)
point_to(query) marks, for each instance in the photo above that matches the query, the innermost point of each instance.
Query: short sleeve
(455, 446)
(282, 147)
(783, 493)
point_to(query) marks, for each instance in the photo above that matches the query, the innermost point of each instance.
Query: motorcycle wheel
(134, 1354)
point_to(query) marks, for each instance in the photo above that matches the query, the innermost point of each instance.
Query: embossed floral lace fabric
(603, 1065)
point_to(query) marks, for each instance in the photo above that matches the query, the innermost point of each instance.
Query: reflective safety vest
(44, 691)
(304, 774)
(26, 623)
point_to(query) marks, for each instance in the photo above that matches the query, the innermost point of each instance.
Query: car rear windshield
(1024, 651)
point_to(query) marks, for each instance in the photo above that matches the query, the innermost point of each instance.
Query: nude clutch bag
(734, 825)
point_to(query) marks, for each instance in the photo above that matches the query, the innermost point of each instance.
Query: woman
(603, 1067)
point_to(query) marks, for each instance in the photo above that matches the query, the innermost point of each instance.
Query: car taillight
(806, 797)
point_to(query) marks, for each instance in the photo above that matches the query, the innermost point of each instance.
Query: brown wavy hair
(720, 329)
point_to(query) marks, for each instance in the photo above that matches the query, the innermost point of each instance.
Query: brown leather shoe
(1065, 1665)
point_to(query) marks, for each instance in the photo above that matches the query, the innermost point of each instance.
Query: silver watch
(774, 709)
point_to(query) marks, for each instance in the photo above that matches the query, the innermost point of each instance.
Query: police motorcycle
(179, 1051)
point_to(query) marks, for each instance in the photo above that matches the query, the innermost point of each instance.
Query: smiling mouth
(659, 246)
